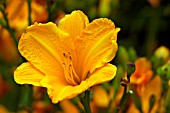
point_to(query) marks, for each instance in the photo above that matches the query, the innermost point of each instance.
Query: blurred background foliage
(145, 26)
(144, 23)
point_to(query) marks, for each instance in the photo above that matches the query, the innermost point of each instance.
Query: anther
(70, 58)
(69, 71)
(64, 54)
(69, 55)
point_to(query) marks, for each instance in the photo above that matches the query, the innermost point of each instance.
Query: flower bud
(162, 52)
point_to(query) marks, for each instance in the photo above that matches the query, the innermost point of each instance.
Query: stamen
(73, 73)
(70, 74)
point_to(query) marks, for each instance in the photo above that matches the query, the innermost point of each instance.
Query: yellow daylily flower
(70, 58)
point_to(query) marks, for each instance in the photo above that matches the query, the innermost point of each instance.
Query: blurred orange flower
(101, 98)
(132, 109)
(70, 58)
(17, 11)
(154, 3)
(42, 107)
(8, 51)
(142, 74)
(152, 89)
(3, 109)
(67, 107)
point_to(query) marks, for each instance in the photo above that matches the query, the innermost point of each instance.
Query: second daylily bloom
(70, 58)
(142, 74)
(17, 13)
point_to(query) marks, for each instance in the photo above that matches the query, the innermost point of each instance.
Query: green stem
(7, 25)
(167, 100)
(10, 29)
(123, 100)
(124, 83)
(26, 98)
(51, 8)
(48, 9)
(85, 100)
(29, 12)
(4, 22)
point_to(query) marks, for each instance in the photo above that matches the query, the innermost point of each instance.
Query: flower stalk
(124, 82)
(26, 97)
(29, 12)
(6, 24)
(51, 9)
(85, 100)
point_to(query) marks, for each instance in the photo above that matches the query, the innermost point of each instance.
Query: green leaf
(26, 97)
(122, 56)
(152, 101)
(167, 100)
(130, 69)
(2, 22)
(136, 98)
(132, 54)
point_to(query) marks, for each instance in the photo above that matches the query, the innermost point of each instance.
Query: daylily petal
(55, 86)
(96, 46)
(143, 71)
(153, 88)
(26, 73)
(132, 109)
(74, 23)
(102, 74)
(43, 45)
(60, 91)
